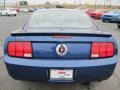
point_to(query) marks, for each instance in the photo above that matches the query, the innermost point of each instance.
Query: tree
(47, 5)
(23, 3)
(59, 6)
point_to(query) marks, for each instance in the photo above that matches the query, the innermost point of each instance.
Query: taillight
(19, 49)
(102, 50)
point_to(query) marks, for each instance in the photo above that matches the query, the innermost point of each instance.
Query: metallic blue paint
(51, 39)
(110, 17)
(45, 58)
(82, 74)
(48, 51)
(60, 62)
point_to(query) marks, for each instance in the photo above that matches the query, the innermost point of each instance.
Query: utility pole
(16, 3)
(104, 3)
(95, 3)
(80, 2)
(4, 4)
(110, 4)
(74, 3)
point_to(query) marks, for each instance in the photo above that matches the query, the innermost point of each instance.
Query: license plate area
(60, 74)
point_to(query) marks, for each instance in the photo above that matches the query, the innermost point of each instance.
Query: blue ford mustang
(60, 45)
(111, 16)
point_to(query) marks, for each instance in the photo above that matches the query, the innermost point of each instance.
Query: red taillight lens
(102, 50)
(20, 49)
(11, 49)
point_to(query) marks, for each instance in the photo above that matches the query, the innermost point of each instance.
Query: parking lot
(9, 24)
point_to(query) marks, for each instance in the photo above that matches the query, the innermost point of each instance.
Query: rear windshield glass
(60, 19)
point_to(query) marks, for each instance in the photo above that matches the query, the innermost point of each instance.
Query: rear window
(60, 19)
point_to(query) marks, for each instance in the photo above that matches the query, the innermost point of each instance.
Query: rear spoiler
(71, 34)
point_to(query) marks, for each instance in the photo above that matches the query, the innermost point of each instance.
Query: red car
(89, 10)
(98, 13)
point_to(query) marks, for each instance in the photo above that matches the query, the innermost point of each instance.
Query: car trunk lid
(45, 44)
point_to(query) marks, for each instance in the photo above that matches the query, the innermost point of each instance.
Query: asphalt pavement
(9, 24)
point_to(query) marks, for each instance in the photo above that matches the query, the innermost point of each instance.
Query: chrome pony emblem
(61, 50)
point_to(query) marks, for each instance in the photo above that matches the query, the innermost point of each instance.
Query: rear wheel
(118, 24)
(14, 14)
(7, 14)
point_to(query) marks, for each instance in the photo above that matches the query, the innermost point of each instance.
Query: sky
(117, 2)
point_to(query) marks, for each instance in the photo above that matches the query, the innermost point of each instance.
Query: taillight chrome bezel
(24, 54)
(99, 56)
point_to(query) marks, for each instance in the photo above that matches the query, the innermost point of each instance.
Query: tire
(7, 14)
(103, 20)
(118, 24)
(14, 14)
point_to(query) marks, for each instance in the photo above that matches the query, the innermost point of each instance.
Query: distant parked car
(8, 12)
(89, 10)
(118, 22)
(98, 13)
(32, 9)
(111, 16)
(24, 10)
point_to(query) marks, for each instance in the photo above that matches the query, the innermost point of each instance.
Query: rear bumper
(81, 74)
